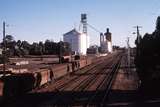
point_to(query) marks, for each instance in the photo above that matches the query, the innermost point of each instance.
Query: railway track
(97, 80)
(84, 85)
(83, 79)
(87, 87)
(105, 86)
(100, 83)
(78, 76)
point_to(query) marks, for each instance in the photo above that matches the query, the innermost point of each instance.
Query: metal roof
(73, 31)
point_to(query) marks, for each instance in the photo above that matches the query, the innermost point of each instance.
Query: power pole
(84, 22)
(60, 52)
(4, 47)
(128, 53)
(71, 50)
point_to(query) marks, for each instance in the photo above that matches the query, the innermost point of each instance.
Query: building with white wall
(108, 37)
(106, 42)
(103, 44)
(77, 40)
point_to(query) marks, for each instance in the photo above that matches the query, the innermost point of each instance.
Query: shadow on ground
(117, 98)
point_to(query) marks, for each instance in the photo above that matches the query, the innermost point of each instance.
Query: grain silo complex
(108, 36)
(79, 40)
(103, 44)
(106, 42)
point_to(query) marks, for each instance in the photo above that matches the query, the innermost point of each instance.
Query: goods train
(17, 84)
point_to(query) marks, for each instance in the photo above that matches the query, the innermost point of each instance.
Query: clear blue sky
(38, 20)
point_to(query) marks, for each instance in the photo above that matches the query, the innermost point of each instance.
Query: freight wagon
(17, 84)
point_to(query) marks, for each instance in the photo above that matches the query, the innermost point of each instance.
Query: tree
(25, 48)
(50, 47)
(19, 43)
(148, 59)
(9, 38)
(10, 45)
(42, 47)
(158, 24)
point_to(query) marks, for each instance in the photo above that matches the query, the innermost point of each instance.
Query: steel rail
(108, 82)
(91, 70)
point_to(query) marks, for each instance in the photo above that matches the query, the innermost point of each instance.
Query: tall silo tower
(108, 36)
(84, 22)
(84, 30)
(103, 43)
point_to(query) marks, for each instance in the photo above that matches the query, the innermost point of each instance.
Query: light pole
(128, 53)
(60, 56)
(71, 49)
(4, 48)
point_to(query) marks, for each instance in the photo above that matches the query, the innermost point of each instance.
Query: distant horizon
(39, 20)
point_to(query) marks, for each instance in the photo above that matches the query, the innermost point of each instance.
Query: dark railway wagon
(18, 84)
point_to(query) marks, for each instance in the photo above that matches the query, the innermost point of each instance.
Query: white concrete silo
(108, 36)
(77, 41)
(83, 43)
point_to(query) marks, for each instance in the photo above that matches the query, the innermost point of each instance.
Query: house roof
(73, 31)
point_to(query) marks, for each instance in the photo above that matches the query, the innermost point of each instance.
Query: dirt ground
(126, 80)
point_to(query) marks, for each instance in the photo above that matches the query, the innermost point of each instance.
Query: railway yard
(107, 56)
(96, 84)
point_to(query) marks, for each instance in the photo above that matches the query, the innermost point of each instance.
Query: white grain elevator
(79, 40)
(106, 42)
